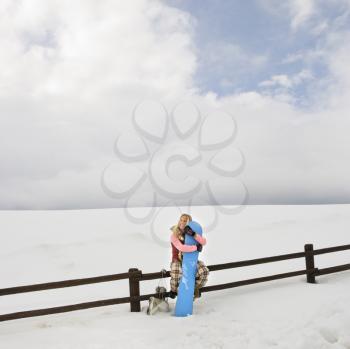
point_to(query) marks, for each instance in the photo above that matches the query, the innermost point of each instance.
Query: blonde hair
(175, 228)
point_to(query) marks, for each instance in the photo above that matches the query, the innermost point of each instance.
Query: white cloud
(71, 72)
(320, 28)
(298, 12)
(301, 11)
(94, 46)
(308, 56)
(282, 80)
(286, 81)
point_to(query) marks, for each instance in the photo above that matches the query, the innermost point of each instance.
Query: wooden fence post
(310, 263)
(134, 287)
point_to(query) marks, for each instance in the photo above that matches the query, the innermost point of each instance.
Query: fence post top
(136, 273)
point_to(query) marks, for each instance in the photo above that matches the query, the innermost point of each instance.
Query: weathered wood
(252, 281)
(135, 276)
(310, 263)
(154, 276)
(134, 288)
(335, 269)
(63, 309)
(256, 261)
(61, 284)
(331, 249)
(73, 307)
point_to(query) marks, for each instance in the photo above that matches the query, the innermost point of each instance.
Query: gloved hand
(199, 247)
(189, 231)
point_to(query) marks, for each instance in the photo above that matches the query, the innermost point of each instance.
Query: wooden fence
(135, 276)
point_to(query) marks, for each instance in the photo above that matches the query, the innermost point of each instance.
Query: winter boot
(172, 294)
(197, 293)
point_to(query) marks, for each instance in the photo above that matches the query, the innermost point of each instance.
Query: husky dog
(158, 302)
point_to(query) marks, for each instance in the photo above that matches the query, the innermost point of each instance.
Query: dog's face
(161, 292)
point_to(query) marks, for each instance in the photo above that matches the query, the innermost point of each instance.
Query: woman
(178, 248)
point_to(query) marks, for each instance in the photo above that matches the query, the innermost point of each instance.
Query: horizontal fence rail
(335, 269)
(135, 276)
(256, 261)
(332, 249)
(63, 309)
(61, 284)
(254, 281)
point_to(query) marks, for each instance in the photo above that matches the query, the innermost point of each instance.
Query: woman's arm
(182, 247)
(202, 240)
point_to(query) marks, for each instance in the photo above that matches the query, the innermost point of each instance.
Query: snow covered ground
(43, 246)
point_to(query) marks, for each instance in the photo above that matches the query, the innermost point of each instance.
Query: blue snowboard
(184, 302)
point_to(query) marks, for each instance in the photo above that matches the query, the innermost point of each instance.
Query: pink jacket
(187, 248)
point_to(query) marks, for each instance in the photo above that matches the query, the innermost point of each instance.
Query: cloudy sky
(85, 85)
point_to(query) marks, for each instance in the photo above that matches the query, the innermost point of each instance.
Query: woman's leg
(202, 274)
(175, 275)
